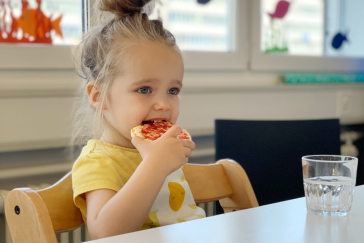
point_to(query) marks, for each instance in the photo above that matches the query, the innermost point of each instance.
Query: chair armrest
(244, 196)
(28, 217)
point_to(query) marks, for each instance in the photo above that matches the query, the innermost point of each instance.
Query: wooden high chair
(36, 216)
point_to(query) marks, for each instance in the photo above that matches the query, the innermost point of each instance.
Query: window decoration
(40, 21)
(293, 27)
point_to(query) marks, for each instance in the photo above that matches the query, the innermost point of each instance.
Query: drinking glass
(329, 182)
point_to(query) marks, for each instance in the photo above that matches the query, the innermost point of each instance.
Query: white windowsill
(66, 82)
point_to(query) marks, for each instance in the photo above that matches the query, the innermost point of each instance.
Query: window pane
(295, 28)
(199, 27)
(313, 27)
(344, 28)
(55, 22)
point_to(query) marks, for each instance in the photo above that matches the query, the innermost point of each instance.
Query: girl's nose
(162, 104)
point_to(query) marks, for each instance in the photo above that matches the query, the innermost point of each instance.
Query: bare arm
(110, 213)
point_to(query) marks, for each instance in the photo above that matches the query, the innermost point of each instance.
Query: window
(211, 36)
(199, 27)
(308, 35)
(299, 31)
(344, 28)
(40, 21)
(38, 33)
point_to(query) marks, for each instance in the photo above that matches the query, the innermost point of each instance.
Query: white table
(286, 221)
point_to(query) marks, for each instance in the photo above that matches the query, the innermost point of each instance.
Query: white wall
(35, 107)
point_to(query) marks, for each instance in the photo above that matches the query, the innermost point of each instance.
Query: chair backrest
(271, 152)
(35, 216)
(225, 181)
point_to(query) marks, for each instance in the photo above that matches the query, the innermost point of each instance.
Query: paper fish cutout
(203, 1)
(338, 40)
(281, 10)
(35, 26)
(25, 4)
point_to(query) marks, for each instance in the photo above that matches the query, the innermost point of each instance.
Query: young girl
(134, 73)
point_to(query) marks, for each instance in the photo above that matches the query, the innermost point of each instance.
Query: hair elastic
(149, 7)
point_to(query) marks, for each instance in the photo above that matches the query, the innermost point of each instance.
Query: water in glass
(329, 195)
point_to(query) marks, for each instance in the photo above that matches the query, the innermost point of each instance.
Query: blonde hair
(118, 24)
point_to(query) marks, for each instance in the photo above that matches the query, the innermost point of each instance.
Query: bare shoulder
(95, 200)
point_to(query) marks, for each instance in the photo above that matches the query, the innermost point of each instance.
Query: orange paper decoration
(35, 26)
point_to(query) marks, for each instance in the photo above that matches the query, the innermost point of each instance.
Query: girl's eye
(175, 91)
(144, 90)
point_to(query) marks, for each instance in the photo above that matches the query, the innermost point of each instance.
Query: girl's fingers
(188, 152)
(185, 161)
(174, 131)
(188, 144)
(137, 141)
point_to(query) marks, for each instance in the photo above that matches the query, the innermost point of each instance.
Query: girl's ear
(94, 95)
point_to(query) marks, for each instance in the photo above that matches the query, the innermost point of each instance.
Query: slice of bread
(151, 132)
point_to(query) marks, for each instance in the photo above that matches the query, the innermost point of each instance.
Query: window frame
(293, 63)
(43, 57)
(37, 57)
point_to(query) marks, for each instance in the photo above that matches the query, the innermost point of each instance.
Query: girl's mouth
(152, 121)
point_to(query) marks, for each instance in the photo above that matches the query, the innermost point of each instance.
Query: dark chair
(271, 152)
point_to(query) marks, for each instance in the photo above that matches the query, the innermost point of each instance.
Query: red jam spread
(156, 130)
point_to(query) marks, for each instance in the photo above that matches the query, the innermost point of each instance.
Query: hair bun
(122, 7)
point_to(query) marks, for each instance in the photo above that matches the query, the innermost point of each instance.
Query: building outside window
(199, 27)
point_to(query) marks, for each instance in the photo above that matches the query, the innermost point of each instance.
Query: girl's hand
(166, 154)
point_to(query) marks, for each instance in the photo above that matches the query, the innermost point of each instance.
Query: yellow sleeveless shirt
(106, 166)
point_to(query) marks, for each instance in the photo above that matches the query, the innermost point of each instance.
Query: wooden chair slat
(207, 182)
(54, 200)
(243, 194)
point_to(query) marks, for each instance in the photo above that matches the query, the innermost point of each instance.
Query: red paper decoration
(32, 23)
